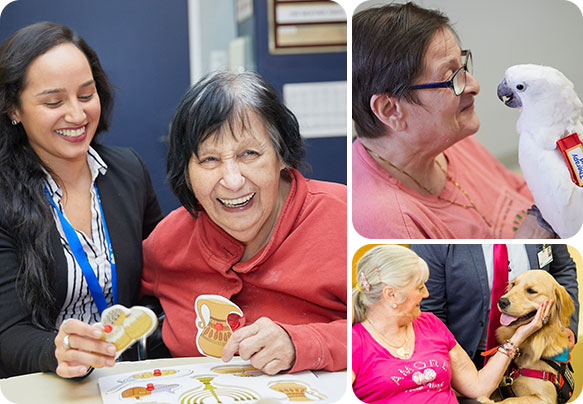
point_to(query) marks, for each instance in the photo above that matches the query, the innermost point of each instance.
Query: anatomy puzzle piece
(148, 376)
(297, 390)
(238, 370)
(122, 326)
(213, 329)
(151, 388)
(213, 392)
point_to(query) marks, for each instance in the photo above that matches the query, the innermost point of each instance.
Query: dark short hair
(223, 99)
(388, 50)
(19, 50)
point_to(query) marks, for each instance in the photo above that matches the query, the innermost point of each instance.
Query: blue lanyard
(81, 257)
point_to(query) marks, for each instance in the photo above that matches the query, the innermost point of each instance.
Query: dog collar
(537, 374)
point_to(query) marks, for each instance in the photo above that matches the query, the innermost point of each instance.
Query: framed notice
(320, 107)
(306, 26)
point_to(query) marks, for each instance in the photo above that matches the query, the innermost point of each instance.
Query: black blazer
(459, 292)
(131, 212)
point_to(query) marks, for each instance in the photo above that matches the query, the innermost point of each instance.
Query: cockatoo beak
(507, 96)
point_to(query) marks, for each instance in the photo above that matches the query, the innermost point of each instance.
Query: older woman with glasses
(417, 170)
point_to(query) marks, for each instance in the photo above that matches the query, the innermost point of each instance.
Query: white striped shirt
(78, 301)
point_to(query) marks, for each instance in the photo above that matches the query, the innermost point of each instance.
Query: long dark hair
(25, 215)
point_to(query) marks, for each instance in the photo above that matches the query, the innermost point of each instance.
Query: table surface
(49, 388)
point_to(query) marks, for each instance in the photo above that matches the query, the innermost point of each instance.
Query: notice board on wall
(304, 26)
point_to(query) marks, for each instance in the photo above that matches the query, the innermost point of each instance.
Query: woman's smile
(236, 177)
(238, 203)
(60, 107)
(73, 135)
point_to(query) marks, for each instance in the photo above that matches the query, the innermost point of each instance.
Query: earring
(14, 122)
(394, 305)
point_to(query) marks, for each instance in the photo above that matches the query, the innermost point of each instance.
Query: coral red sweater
(382, 207)
(297, 280)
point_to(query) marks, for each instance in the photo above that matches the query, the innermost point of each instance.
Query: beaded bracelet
(509, 349)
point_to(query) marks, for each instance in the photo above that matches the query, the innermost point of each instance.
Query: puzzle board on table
(217, 383)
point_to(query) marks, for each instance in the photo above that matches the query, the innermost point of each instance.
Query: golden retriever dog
(518, 306)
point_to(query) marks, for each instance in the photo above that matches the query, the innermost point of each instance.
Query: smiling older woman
(417, 171)
(400, 354)
(252, 229)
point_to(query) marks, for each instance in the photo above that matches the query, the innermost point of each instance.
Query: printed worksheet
(220, 383)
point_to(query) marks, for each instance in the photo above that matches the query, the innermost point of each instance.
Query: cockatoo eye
(521, 86)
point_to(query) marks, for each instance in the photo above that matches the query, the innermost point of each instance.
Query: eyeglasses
(457, 82)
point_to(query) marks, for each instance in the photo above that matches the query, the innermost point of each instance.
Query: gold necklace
(423, 187)
(401, 352)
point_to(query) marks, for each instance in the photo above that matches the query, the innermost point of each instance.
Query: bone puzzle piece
(123, 327)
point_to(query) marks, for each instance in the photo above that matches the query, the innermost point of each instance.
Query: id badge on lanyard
(544, 255)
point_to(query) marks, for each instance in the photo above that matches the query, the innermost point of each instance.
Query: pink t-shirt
(423, 378)
(382, 207)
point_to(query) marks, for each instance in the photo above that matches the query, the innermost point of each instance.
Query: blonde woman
(399, 352)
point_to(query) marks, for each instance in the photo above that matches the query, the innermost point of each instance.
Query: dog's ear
(563, 304)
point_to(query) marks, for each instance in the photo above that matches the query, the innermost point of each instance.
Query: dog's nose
(503, 302)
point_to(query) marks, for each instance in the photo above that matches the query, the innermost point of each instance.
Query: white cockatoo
(549, 111)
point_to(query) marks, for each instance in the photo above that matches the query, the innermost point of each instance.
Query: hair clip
(365, 282)
(378, 273)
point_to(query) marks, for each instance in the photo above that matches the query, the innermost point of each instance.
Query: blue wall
(326, 156)
(136, 41)
(143, 46)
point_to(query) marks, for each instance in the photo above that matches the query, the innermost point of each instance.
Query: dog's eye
(531, 291)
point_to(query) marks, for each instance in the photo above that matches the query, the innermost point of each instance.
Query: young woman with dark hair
(73, 213)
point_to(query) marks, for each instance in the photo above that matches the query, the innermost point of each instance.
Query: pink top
(423, 378)
(382, 207)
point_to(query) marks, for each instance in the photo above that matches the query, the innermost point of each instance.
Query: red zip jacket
(298, 279)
